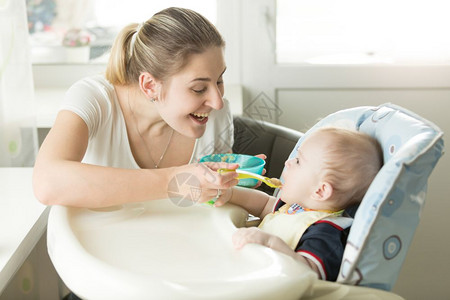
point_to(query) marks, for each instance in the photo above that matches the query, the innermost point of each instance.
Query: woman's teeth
(200, 115)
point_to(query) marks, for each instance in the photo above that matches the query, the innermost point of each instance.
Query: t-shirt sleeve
(89, 101)
(324, 243)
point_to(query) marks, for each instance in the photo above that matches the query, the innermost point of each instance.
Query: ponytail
(117, 68)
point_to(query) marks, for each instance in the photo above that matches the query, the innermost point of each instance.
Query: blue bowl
(247, 163)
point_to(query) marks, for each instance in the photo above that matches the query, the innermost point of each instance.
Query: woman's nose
(215, 99)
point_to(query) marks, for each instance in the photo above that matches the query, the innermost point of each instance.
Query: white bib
(290, 227)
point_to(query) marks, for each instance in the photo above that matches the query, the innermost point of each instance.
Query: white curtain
(18, 134)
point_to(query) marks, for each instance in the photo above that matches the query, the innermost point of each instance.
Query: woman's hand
(204, 183)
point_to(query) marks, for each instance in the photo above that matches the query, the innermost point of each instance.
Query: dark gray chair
(255, 137)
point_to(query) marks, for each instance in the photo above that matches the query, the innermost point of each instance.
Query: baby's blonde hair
(160, 46)
(350, 163)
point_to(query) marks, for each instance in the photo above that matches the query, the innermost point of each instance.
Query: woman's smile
(200, 118)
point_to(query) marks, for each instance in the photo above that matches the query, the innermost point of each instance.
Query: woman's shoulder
(91, 98)
(96, 84)
(93, 90)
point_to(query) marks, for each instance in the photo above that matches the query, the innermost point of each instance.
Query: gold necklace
(156, 165)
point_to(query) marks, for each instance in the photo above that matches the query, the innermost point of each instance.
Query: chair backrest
(389, 213)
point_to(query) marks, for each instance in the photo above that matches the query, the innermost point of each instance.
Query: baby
(332, 171)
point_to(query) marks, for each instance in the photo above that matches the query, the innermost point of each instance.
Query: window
(362, 32)
(49, 21)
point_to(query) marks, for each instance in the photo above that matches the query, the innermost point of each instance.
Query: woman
(123, 137)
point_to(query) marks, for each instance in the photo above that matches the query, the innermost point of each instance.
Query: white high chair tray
(158, 250)
(162, 251)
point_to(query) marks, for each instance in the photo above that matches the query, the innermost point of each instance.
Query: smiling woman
(157, 110)
(128, 135)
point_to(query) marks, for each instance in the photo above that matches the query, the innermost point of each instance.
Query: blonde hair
(160, 46)
(351, 161)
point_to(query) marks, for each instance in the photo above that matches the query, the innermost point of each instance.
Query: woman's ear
(324, 191)
(148, 85)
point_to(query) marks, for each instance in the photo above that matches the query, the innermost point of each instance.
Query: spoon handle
(244, 174)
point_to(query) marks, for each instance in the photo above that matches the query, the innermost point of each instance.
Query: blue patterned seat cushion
(389, 213)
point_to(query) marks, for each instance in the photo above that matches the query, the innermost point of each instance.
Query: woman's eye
(199, 91)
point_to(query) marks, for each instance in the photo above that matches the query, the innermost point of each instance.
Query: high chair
(385, 222)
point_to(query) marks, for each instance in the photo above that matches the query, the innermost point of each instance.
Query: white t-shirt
(95, 101)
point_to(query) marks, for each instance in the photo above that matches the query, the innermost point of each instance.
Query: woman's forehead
(200, 64)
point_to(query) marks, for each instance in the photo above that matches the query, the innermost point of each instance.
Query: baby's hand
(248, 235)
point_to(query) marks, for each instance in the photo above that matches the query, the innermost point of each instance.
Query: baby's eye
(297, 160)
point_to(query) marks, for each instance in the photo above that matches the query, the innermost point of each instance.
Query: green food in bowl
(248, 163)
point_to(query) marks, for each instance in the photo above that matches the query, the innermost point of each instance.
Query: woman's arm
(59, 177)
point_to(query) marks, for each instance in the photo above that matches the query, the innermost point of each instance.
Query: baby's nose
(288, 162)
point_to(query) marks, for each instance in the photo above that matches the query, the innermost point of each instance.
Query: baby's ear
(324, 191)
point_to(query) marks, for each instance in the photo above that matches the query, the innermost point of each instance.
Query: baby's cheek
(284, 193)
